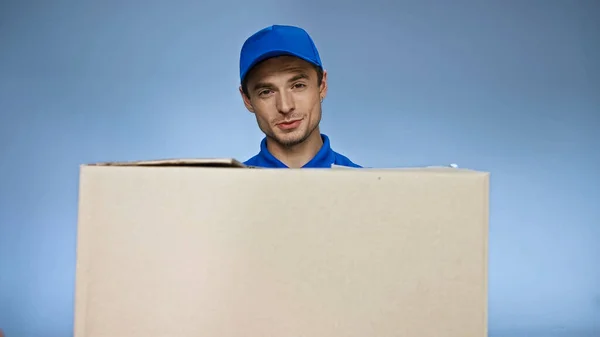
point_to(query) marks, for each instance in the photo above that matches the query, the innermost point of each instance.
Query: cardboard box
(208, 248)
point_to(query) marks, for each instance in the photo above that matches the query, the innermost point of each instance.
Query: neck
(297, 156)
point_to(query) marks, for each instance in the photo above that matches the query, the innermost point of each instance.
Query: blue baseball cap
(277, 40)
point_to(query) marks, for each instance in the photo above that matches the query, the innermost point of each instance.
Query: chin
(292, 138)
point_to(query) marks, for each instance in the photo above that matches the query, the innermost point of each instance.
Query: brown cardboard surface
(186, 250)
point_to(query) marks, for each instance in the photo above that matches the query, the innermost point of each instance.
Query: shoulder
(342, 160)
(254, 161)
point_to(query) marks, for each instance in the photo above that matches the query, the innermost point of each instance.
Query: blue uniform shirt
(323, 159)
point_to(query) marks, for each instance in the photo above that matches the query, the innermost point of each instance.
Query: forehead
(279, 66)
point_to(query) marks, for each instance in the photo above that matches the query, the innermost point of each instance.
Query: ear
(246, 100)
(323, 87)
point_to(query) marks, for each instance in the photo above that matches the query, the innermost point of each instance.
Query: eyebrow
(263, 85)
(300, 76)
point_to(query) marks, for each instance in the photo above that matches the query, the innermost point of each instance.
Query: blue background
(512, 87)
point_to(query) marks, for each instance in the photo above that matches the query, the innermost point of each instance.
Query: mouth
(289, 125)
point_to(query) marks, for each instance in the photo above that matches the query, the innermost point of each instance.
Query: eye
(299, 85)
(264, 92)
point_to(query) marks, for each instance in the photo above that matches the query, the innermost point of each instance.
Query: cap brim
(275, 53)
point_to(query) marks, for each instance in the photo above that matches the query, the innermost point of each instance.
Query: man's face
(285, 96)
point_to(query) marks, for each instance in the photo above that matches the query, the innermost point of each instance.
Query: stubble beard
(289, 143)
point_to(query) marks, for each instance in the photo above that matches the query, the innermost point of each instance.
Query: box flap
(434, 167)
(342, 167)
(234, 163)
(202, 162)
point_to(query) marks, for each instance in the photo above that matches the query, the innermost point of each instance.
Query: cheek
(264, 112)
(315, 107)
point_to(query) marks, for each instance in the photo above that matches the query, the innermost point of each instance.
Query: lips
(289, 125)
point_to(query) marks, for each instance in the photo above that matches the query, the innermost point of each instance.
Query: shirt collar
(323, 159)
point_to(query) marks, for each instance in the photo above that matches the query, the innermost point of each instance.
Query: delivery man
(283, 84)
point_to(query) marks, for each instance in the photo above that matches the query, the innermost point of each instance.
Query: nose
(285, 102)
